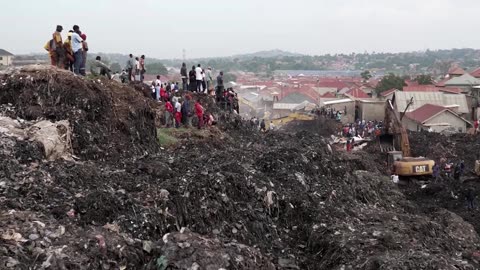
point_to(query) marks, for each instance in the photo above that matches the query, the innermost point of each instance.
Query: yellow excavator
(296, 116)
(395, 137)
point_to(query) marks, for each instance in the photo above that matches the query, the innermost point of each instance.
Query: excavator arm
(395, 130)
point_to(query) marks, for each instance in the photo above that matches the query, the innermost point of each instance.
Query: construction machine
(296, 116)
(395, 137)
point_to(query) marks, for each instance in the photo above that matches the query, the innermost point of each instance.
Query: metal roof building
(435, 98)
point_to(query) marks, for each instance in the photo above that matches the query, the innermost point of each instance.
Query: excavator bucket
(386, 143)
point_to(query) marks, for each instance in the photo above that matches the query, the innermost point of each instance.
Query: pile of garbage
(237, 200)
(110, 120)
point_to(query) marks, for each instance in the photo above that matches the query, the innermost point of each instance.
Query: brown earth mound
(109, 120)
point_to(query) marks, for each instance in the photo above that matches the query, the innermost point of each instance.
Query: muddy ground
(232, 198)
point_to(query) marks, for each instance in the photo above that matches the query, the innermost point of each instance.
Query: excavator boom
(395, 134)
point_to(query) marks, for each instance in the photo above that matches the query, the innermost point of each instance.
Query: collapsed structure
(236, 199)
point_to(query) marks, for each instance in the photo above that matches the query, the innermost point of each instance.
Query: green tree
(390, 81)
(115, 67)
(424, 79)
(156, 69)
(366, 75)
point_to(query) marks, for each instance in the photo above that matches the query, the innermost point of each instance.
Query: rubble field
(226, 198)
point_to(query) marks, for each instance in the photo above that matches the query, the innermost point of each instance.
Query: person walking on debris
(199, 78)
(470, 196)
(99, 68)
(475, 127)
(183, 73)
(77, 49)
(459, 170)
(129, 67)
(168, 113)
(199, 112)
(262, 126)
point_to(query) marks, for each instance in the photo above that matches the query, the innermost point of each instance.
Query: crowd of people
(70, 54)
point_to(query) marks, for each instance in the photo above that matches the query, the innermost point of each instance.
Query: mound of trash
(109, 120)
(233, 199)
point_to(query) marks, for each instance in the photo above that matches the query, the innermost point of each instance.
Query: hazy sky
(162, 28)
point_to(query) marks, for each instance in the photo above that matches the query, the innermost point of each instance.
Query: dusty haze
(220, 28)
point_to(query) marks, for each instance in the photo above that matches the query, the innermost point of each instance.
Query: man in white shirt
(199, 78)
(77, 49)
(158, 84)
(178, 113)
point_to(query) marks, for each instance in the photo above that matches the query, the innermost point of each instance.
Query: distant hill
(268, 54)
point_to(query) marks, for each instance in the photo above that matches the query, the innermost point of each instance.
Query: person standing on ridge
(67, 46)
(220, 86)
(77, 49)
(199, 78)
(142, 68)
(192, 77)
(129, 67)
(157, 85)
(84, 56)
(209, 79)
(58, 49)
(183, 73)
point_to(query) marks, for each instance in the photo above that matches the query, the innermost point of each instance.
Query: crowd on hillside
(71, 54)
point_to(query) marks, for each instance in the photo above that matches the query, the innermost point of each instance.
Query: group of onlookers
(70, 54)
(135, 68)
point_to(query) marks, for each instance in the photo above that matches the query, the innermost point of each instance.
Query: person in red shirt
(199, 113)
(475, 126)
(163, 94)
(168, 113)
